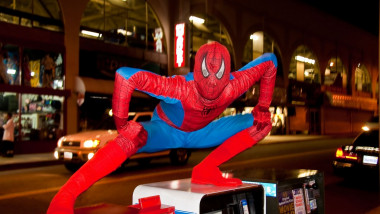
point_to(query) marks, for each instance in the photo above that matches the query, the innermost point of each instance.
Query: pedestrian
(7, 147)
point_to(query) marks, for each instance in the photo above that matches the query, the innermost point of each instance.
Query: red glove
(262, 124)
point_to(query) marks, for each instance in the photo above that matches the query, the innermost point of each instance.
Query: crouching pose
(185, 118)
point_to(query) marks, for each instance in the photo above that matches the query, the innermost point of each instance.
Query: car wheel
(73, 167)
(179, 156)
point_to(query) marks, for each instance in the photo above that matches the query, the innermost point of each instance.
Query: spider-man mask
(211, 70)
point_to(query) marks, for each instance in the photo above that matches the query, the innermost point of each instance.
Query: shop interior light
(32, 73)
(331, 64)
(11, 71)
(196, 20)
(304, 59)
(90, 33)
(254, 37)
(124, 32)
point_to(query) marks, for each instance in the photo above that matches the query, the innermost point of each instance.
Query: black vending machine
(288, 191)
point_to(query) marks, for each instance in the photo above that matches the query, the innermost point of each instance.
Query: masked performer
(185, 118)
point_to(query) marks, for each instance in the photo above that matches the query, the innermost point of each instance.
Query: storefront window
(203, 29)
(43, 69)
(9, 65)
(41, 115)
(278, 120)
(32, 13)
(258, 44)
(131, 23)
(37, 68)
(362, 79)
(335, 73)
(304, 66)
(210, 29)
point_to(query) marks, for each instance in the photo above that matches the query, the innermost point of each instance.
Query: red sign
(179, 45)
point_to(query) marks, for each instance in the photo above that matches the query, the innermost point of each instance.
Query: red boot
(207, 172)
(105, 161)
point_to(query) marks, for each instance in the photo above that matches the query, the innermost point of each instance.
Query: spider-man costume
(185, 118)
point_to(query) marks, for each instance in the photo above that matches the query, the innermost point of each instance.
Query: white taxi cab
(76, 149)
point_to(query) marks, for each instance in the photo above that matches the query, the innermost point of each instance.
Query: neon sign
(179, 46)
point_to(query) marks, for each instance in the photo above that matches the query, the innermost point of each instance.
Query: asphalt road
(30, 190)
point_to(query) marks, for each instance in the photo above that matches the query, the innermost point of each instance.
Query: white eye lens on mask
(205, 72)
(220, 73)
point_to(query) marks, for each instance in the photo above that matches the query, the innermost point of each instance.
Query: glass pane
(258, 44)
(362, 79)
(9, 65)
(46, 8)
(41, 117)
(121, 22)
(335, 74)
(8, 105)
(46, 13)
(43, 69)
(304, 66)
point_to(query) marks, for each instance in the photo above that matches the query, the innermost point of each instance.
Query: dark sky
(363, 14)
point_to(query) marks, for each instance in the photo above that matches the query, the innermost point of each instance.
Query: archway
(335, 74)
(362, 79)
(260, 43)
(304, 66)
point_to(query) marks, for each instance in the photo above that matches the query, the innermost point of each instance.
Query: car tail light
(343, 154)
(339, 153)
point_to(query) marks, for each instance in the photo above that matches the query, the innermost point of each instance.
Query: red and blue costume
(185, 118)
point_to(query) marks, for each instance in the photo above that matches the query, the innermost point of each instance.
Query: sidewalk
(46, 159)
(27, 161)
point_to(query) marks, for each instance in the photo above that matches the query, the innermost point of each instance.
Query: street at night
(237, 106)
(30, 190)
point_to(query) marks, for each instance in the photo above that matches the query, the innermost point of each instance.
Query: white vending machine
(187, 197)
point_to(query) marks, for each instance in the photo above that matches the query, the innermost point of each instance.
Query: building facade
(64, 55)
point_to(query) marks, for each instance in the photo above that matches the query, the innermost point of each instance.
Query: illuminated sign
(179, 45)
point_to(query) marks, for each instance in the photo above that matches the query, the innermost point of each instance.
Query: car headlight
(56, 155)
(59, 143)
(91, 143)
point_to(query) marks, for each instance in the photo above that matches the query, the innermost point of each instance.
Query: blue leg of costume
(161, 136)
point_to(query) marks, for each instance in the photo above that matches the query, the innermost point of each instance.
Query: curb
(25, 165)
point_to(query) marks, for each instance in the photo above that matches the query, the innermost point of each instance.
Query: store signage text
(179, 52)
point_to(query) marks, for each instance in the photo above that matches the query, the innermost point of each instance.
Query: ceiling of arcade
(109, 15)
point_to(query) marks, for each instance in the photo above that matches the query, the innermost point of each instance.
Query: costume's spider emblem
(206, 110)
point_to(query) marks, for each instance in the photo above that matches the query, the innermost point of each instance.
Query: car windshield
(368, 139)
(106, 123)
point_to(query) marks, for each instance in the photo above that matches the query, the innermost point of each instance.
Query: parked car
(76, 149)
(360, 157)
